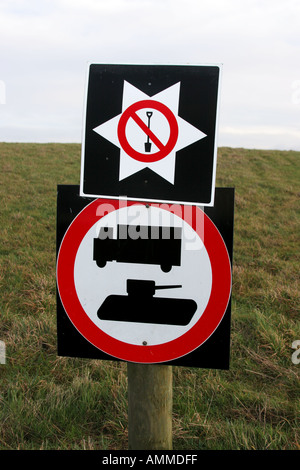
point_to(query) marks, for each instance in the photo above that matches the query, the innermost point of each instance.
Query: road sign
(150, 133)
(145, 155)
(140, 282)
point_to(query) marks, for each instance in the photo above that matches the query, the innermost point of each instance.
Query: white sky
(45, 46)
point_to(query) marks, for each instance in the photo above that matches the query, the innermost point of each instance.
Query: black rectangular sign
(150, 132)
(96, 264)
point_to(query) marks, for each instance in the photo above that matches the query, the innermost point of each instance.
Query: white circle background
(94, 284)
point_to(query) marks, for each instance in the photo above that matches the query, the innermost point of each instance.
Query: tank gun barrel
(168, 287)
(144, 287)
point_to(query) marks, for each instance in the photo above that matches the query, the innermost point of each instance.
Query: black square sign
(144, 282)
(150, 133)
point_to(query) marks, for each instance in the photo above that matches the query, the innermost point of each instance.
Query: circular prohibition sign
(164, 352)
(164, 149)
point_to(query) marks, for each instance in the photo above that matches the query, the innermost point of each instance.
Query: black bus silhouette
(139, 244)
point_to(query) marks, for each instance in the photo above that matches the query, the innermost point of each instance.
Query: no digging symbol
(164, 149)
(149, 132)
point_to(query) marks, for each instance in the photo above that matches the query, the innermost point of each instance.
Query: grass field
(51, 402)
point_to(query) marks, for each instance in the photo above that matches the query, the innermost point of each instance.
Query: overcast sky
(45, 46)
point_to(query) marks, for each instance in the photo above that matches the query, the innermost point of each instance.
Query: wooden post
(149, 407)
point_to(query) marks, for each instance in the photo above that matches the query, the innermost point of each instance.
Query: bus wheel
(100, 263)
(166, 268)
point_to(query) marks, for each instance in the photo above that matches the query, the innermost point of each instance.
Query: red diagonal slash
(148, 131)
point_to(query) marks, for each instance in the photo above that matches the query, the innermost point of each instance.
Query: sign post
(149, 407)
(171, 307)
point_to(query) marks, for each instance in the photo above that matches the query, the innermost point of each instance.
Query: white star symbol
(149, 131)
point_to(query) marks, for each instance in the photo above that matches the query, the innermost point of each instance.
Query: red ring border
(171, 350)
(154, 157)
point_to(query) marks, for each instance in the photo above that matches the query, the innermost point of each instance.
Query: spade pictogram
(148, 143)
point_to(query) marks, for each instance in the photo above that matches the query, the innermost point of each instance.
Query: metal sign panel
(150, 133)
(144, 282)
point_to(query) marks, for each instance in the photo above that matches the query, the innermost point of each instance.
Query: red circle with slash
(166, 351)
(164, 149)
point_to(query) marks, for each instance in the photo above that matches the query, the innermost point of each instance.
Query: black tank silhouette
(141, 306)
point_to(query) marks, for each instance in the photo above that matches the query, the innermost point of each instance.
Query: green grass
(51, 402)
